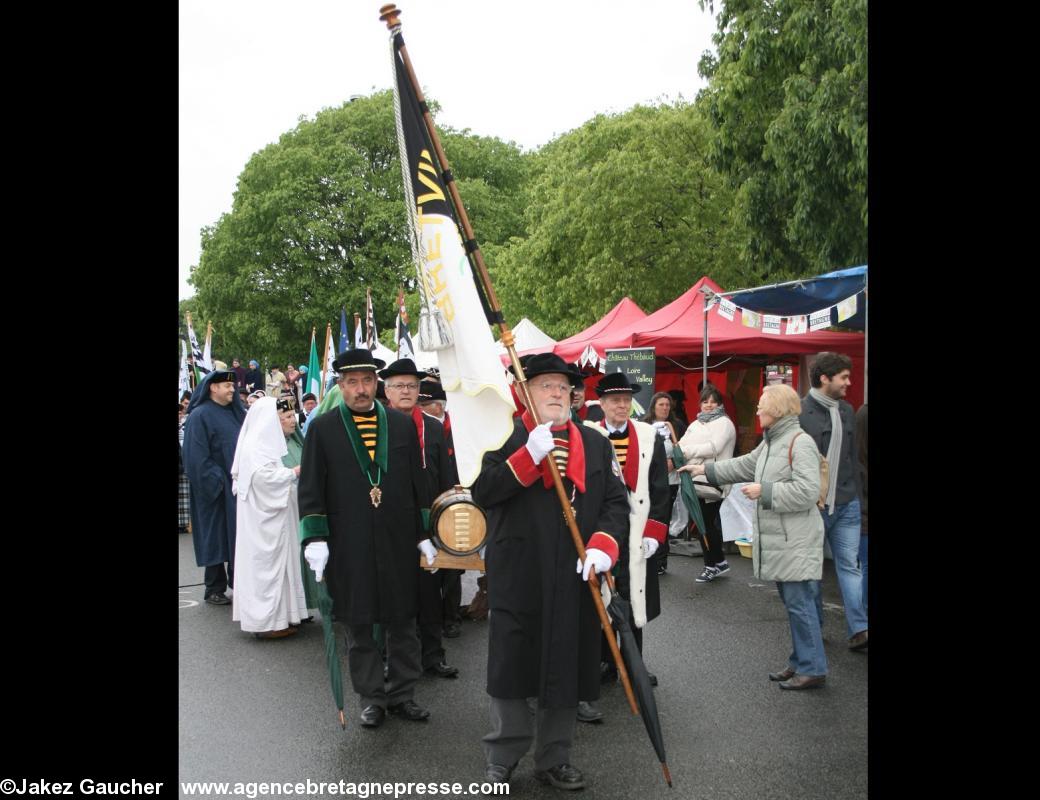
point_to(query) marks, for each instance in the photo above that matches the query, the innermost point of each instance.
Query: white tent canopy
(527, 335)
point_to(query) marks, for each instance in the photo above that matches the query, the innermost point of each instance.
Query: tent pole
(704, 346)
(866, 341)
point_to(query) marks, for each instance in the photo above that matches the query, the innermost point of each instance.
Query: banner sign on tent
(847, 308)
(750, 318)
(639, 364)
(819, 320)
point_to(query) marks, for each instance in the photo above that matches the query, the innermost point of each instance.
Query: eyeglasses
(400, 387)
(563, 388)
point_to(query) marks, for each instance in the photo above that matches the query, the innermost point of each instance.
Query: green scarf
(360, 451)
(294, 444)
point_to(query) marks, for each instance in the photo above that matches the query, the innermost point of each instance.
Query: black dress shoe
(410, 711)
(607, 672)
(783, 675)
(652, 677)
(452, 630)
(496, 773)
(588, 712)
(442, 670)
(373, 716)
(562, 776)
(218, 599)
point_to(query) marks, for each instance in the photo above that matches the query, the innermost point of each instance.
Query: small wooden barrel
(457, 524)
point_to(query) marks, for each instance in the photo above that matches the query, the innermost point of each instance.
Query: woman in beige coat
(711, 437)
(784, 471)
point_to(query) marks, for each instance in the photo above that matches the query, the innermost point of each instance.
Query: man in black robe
(401, 381)
(362, 495)
(433, 401)
(544, 634)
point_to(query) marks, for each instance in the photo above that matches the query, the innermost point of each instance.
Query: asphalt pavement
(254, 710)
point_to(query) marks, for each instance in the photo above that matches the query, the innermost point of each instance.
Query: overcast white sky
(525, 71)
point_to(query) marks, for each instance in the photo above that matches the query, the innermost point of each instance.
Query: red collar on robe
(631, 472)
(575, 455)
(447, 434)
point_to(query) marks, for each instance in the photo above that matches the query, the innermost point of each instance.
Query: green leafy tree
(787, 96)
(318, 217)
(624, 205)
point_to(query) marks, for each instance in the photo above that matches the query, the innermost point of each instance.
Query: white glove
(317, 555)
(594, 558)
(540, 442)
(429, 551)
(662, 430)
(649, 547)
(482, 551)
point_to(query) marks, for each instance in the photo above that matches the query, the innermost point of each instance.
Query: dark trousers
(218, 579)
(514, 727)
(366, 663)
(712, 538)
(451, 588)
(431, 618)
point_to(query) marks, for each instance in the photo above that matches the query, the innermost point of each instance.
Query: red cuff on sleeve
(655, 530)
(605, 542)
(523, 467)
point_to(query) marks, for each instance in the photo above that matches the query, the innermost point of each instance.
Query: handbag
(680, 517)
(825, 471)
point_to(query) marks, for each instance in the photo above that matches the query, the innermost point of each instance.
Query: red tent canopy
(570, 349)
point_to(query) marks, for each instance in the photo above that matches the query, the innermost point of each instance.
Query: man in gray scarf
(830, 421)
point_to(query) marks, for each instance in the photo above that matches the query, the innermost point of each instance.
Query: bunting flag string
(797, 324)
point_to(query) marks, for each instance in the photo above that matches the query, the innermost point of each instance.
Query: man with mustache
(362, 492)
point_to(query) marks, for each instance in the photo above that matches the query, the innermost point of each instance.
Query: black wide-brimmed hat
(403, 366)
(544, 363)
(222, 376)
(430, 391)
(286, 401)
(616, 383)
(357, 359)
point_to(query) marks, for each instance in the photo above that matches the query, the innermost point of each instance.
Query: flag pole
(389, 14)
(324, 359)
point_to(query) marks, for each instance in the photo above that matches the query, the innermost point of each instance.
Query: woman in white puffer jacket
(710, 438)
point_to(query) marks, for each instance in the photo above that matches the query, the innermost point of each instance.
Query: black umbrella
(620, 615)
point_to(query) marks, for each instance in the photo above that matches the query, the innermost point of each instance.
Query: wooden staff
(389, 14)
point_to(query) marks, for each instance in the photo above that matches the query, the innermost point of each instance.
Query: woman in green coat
(784, 477)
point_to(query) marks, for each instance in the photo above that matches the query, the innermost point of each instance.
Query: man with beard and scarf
(362, 494)
(544, 634)
(830, 421)
(215, 416)
(401, 381)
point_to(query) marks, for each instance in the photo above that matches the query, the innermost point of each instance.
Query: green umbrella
(332, 651)
(689, 494)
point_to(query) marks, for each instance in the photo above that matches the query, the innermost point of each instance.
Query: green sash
(360, 451)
